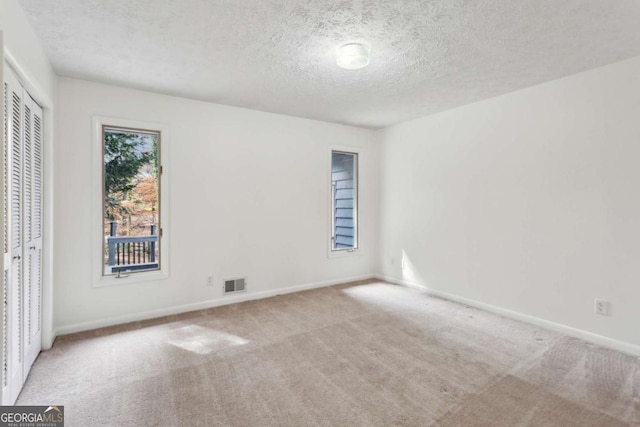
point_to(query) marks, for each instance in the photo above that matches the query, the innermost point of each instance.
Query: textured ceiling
(279, 56)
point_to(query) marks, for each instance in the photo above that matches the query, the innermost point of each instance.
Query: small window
(131, 200)
(344, 201)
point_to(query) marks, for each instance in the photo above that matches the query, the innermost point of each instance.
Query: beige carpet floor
(361, 354)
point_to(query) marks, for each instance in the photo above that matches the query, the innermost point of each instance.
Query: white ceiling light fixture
(353, 56)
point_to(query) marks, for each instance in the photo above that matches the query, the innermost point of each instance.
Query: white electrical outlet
(210, 280)
(601, 307)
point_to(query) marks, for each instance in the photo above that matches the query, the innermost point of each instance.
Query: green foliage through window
(131, 213)
(125, 158)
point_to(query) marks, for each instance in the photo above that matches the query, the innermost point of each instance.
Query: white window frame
(344, 252)
(97, 213)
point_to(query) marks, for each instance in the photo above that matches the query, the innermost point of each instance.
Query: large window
(344, 201)
(131, 200)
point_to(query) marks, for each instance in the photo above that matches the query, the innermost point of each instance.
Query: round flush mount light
(353, 56)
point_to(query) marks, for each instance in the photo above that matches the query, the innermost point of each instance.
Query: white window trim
(97, 223)
(357, 251)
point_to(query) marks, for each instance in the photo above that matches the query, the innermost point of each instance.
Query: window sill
(344, 253)
(130, 278)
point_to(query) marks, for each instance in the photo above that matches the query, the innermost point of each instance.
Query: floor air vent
(235, 285)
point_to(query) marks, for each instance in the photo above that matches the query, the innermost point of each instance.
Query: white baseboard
(622, 346)
(167, 311)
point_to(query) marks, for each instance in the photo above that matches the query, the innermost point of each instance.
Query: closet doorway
(22, 196)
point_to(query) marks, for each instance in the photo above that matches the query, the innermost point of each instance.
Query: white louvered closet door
(6, 252)
(22, 277)
(32, 226)
(13, 285)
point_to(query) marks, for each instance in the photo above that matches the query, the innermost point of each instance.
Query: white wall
(249, 195)
(23, 47)
(22, 50)
(529, 201)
